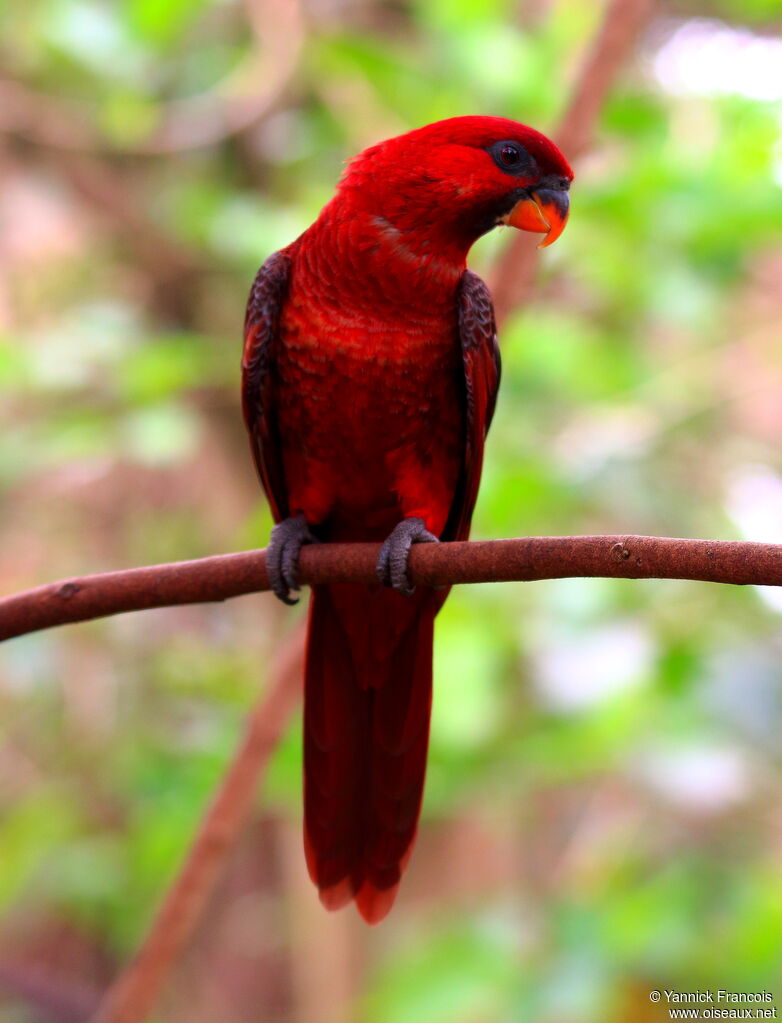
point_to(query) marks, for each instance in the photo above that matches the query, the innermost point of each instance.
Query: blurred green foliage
(602, 811)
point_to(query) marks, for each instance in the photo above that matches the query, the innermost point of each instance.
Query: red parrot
(370, 374)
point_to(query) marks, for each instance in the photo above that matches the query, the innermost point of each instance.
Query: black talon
(391, 565)
(282, 556)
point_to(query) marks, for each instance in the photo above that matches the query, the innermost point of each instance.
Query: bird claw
(282, 556)
(392, 561)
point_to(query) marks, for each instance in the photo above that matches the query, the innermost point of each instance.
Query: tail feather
(368, 691)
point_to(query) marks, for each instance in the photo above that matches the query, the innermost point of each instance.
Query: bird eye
(513, 158)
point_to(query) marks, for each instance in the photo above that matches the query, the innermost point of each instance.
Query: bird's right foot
(282, 556)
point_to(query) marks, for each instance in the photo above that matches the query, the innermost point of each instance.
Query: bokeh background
(603, 813)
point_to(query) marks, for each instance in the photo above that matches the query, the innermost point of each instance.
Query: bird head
(450, 182)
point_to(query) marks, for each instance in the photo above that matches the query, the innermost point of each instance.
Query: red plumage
(370, 375)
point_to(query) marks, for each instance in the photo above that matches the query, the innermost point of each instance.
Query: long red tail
(368, 695)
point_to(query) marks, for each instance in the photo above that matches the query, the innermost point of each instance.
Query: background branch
(514, 271)
(651, 379)
(137, 989)
(520, 560)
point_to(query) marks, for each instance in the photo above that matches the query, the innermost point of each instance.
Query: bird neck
(380, 256)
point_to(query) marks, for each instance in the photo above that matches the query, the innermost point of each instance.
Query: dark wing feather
(261, 330)
(481, 356)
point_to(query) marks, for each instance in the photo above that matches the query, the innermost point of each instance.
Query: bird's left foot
(282, 556)
(392, 561)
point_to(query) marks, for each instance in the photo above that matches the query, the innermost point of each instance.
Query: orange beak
(544, 211)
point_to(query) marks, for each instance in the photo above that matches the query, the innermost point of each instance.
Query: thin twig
(445, 564)
(136, 991)
(513, 274)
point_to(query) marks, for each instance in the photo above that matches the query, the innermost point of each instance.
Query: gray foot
(282, 556)
(391, 565)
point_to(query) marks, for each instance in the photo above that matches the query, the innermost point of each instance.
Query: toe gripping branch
(392, 561)
(282, 556)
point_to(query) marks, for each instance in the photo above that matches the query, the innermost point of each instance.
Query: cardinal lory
(370, 374)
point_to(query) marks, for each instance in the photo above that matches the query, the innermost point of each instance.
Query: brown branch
(514, 271)
(446, 564)
(136, 991)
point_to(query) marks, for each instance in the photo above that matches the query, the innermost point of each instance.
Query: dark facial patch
(490, 214)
